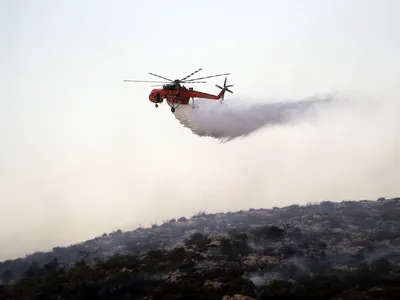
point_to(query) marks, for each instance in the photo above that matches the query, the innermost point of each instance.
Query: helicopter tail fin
(223, 89)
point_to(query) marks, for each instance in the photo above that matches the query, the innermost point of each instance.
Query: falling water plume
(228, 122)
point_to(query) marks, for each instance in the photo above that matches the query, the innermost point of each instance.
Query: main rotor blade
(208, 77)
(161, 77)
(191, 74)
(131, 80)
(189, 82)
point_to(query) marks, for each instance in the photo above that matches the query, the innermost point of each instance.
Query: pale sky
(83, 153)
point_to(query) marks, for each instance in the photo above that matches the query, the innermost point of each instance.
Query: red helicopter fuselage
(180, 96)
(176, 96)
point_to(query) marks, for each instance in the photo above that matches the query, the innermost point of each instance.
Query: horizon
(150, 226)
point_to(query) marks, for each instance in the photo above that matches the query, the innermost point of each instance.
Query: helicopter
(176, 94)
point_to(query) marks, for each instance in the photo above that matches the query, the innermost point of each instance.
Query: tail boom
(197, 94)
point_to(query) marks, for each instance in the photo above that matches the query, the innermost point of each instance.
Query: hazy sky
(83, 153)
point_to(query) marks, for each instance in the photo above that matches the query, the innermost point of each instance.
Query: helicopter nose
(152, 97)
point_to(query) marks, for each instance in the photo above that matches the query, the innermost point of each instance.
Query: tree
(33, 270)
(198, 239)
(7, 276)
(269, 232)
(226, 247)
(52, 265)
(381, 266)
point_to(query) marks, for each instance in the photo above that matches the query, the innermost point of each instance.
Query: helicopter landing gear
(156, 105)
(173, 109)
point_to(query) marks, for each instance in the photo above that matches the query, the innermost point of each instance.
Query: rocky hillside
(348, 250)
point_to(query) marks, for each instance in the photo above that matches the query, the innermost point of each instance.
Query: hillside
(348, 250)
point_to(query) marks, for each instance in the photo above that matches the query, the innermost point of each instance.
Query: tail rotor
(224, 89)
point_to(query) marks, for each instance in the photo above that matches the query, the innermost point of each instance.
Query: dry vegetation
(347, 250)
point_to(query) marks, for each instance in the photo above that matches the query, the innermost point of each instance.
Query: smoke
(230, 121)
(129, 164)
